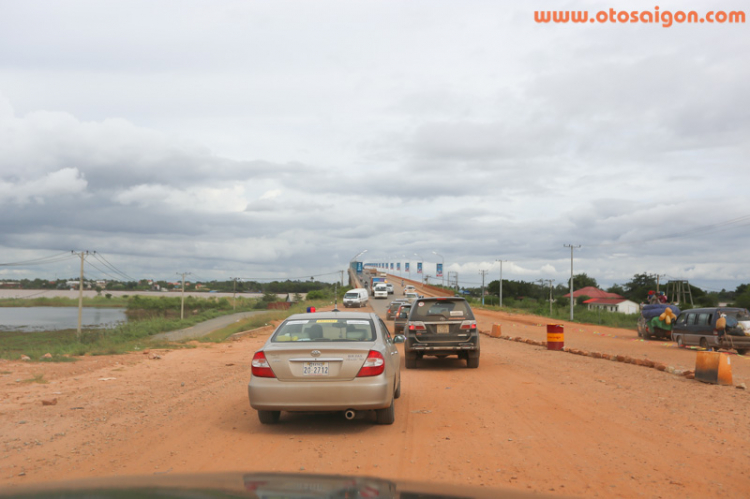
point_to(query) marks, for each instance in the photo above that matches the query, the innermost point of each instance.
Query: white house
(621, 305)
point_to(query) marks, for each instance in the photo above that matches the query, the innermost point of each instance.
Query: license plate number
(443, 329)
(315, 369)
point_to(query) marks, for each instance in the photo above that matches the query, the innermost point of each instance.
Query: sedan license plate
(443, 328)
(315, 369)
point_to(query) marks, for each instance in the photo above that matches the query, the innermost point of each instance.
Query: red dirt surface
(528, 419)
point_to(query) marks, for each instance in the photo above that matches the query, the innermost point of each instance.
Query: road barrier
(555, 337)
(496, 331)
(713, 367)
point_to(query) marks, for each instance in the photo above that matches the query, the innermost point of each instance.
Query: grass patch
(581, 315)
(257, 321)
(38, 378)
(6, 372)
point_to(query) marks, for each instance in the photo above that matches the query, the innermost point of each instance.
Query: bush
(581, 299)
(317, 294)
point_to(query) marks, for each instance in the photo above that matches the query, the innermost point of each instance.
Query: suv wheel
(410, 360)
(472, 361)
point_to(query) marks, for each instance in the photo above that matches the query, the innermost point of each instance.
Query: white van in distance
(356, 297)
(380, 291)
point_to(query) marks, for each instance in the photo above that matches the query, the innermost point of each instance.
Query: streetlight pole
(442, 267)
(421, 260)
(500, 289)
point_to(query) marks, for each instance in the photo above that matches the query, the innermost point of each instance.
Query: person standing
(720, 329)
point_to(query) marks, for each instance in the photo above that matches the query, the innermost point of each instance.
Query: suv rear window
(426, 310)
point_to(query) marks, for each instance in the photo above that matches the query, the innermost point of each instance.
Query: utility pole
(572, 299)
(549, 281)
(657, 280)
(500, 290)
(82, 254)
(234, 293)
(482, 273)
(342, 278)
(182, 301)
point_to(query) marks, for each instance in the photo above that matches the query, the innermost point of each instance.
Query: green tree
(617, 289)
(584, 281)
(638, 287)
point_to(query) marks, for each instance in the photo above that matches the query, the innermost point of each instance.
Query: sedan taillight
(260, 367)
(373, 366)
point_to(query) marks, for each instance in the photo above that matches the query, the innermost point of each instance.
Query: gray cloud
(283, 138)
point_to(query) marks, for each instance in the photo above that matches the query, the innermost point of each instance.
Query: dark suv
(697, 326)
(441, 327)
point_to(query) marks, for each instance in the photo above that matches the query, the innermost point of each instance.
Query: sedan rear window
(314, 330)
(447, 309)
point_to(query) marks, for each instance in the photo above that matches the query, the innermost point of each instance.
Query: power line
(109, 265)
(103, 271)
(40, 261)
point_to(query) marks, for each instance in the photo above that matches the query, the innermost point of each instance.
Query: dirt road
(528, 419)
(204, 328)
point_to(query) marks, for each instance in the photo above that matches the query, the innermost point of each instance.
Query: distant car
(409, 289)
(389, 286)
(330, 361)
(441, 327)
(380, 291)
(393, 308)
(401, 318)
(412, 297)
(697, 327)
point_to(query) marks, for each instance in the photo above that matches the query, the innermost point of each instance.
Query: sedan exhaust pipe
(349, 414)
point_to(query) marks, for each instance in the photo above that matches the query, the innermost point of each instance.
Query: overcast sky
(281, 138)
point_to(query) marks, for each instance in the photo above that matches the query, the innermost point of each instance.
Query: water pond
(34, 319)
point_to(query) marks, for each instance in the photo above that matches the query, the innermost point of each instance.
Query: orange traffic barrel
(713, 367)
(555, 337)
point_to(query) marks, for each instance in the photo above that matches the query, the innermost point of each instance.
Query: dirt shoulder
(528, 418)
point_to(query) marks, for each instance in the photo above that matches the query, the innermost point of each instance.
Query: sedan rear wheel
(387, 415)
(269, 417)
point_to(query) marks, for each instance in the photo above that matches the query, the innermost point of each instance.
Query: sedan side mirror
(399, 338)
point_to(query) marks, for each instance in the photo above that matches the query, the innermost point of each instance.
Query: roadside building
(621, 305)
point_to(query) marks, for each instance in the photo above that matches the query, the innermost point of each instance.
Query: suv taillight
(373, 366)
(469, 325)
(417, 326)
(260, 367)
